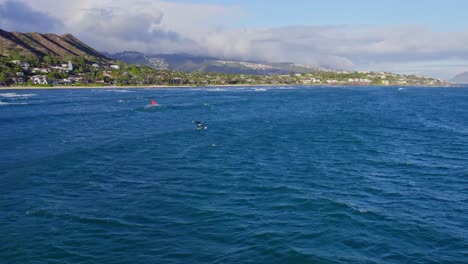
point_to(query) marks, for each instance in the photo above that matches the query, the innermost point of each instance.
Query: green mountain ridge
(40, 45)
(191, 63)
(25, 57)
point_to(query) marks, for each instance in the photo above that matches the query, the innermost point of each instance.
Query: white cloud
(161, 26)
(19, 16)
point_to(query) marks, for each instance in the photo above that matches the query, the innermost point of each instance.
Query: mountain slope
(189, 63)
(461, 78)
(40, 45)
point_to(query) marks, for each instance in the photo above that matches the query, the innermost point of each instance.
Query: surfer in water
(199, 125)
(153, 104)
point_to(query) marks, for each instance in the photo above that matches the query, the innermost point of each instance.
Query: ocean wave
(441, 125)
(119, 91)
(217, 90)
(260, 89)
(45, 213)
(287, 88)
(6, 103)
(286, 177)
(152, 106)
(15, 95)
(351, 206)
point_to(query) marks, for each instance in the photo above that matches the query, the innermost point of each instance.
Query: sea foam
(15, 95)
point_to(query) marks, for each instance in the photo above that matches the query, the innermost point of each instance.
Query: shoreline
(208, 86)
(139, 86)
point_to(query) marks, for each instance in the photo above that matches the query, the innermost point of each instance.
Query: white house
(18, 80)
(67, 66)
(107, 74)
(25, 66)
(39, 79)
(67, 81)
(42, 70)
(116, 67)
(359, 80)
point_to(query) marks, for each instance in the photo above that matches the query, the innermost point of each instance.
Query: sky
(425, 37)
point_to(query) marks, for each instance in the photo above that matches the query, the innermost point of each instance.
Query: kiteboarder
(153, 102)
(199, 125)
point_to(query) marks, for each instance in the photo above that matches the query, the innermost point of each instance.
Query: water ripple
(342, 175)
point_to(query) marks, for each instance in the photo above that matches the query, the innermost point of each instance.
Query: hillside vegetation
(41, 45)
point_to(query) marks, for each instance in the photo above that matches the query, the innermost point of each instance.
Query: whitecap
(5, 103)
(14, 95)
(120, 91)
(151, 106)
(260, 90)
(353, 207)
(217, 90)
(287, 88)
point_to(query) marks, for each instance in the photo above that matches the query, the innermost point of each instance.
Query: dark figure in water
(199, 125)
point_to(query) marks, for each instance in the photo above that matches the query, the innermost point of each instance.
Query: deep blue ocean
(281, 175)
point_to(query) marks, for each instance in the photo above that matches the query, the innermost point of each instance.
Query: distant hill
(461, 78)
(189, 63)
(40, 45)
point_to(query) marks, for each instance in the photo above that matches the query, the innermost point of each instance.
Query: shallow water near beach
(281, 175)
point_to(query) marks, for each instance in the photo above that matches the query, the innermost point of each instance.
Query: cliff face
(40, 45)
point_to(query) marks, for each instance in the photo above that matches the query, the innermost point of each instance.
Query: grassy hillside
(40, 45)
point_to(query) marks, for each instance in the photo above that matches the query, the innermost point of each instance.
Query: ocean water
(281, 175)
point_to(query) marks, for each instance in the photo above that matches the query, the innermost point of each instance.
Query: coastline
(194, 86)
(142, 86)
(89, 87)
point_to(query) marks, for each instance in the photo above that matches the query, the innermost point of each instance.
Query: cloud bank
(206, 29)
(21, 17)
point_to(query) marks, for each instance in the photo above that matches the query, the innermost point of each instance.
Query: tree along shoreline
(77, 71)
